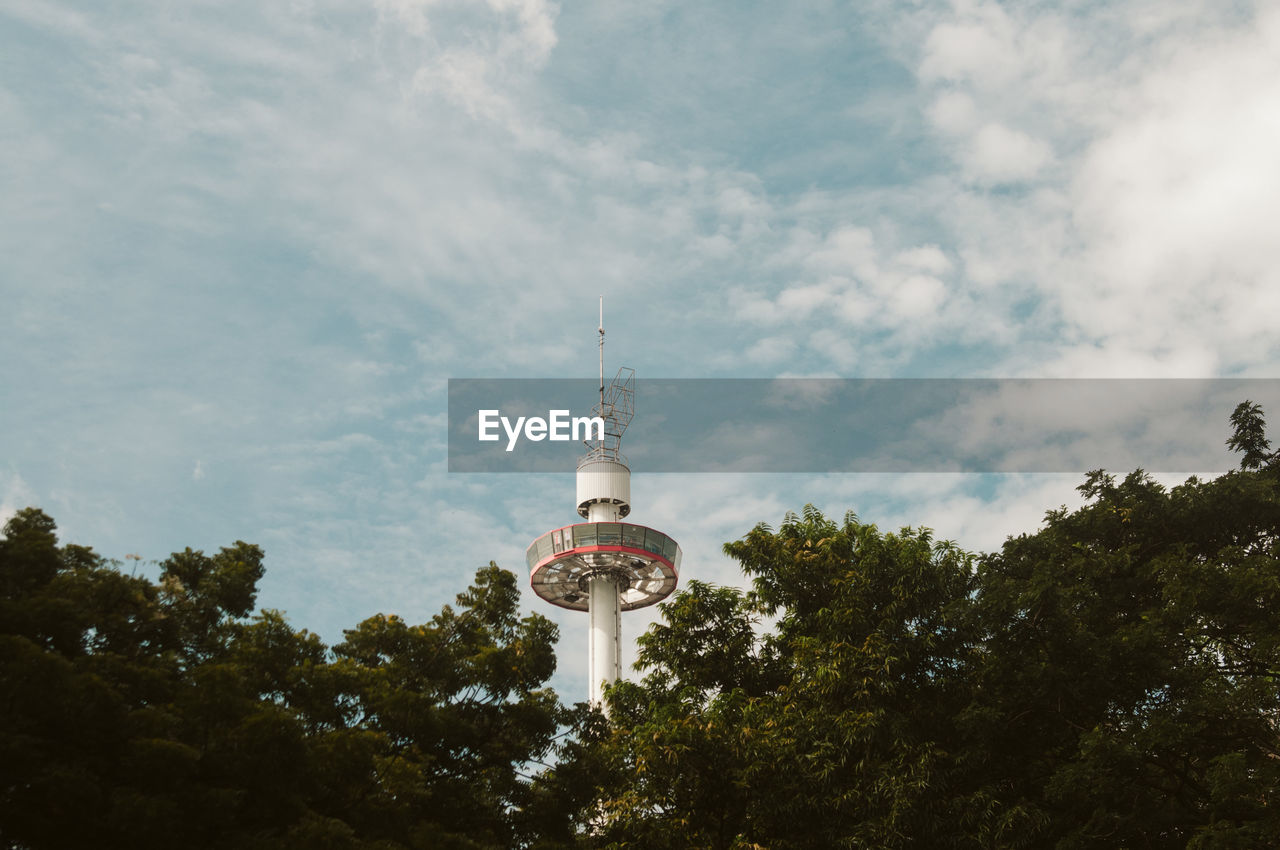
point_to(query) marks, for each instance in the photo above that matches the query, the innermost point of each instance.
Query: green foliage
(1131, 654)
(832, 730)
(1249, 437)
(1111, 680)
(157, 715)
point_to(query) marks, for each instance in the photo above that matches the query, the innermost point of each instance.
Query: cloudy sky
(244, 245)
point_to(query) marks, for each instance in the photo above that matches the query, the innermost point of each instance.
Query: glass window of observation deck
(544, 547)
(610, 533)
(633, 536)
(584, 535)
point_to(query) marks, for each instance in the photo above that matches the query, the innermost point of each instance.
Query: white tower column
(603, 652)
(604, 614)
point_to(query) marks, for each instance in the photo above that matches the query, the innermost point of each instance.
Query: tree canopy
(1109, 680)
(158, 714)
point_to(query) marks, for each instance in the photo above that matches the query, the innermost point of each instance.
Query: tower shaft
(604, 614)
(604, 656)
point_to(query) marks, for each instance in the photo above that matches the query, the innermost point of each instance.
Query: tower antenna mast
(601, 329)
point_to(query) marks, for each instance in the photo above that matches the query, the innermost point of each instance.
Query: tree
(1131, 649)
(832, 730)
(453, 710)
(139, 714)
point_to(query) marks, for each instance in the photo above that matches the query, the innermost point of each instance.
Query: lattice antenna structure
(617, 407)
(605, 566)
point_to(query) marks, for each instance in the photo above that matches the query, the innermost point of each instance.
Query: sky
(244, 246)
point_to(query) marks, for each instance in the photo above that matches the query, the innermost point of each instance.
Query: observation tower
(605, 566)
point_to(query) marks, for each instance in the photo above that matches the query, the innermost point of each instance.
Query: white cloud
(848, 249)
(839, 349)
(925, 258)
(770, 350)
(998, 154)
(953, 112)
(800, 302)
(845, 278)
(1143, 136)
(1178, 201)
(917, 296)
(980, 44)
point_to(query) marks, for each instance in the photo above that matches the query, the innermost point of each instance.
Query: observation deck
(645, 563)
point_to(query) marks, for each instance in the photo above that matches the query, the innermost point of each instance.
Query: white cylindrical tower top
(604, 489)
